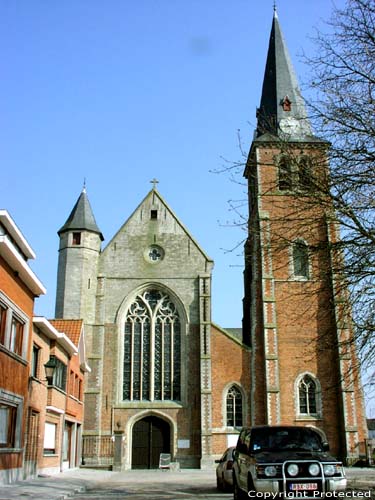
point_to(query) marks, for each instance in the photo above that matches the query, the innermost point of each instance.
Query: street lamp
(50, 369)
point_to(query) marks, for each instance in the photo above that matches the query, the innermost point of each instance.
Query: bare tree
(343, 111)
(343, 114)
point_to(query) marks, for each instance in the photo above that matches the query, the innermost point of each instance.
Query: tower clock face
(289, 125)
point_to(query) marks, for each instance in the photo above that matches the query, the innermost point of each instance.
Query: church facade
(167, 379)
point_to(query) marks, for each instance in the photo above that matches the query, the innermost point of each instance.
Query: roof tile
(71, 327)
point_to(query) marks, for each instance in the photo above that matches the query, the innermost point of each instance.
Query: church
(163, 376)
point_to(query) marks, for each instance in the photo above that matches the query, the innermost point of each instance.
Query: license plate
(304, 486)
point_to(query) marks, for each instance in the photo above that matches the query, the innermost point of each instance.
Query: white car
(224, 473)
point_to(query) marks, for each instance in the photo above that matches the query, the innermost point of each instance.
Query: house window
(152, 349)
(307, 395)
(234, 407)
(11, 412)
(16, 336)
(49, 447)
(13, 326)
(8, 419)
(3, 320)
(35, 361)
(285, 174)
(300, 260)
(59, 374)
(76, 239)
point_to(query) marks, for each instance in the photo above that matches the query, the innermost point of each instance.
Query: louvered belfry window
(152, 349)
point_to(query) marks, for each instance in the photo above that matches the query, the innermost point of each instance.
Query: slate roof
(280, 81)
(71, 327)
(235, 332)
(81, 217)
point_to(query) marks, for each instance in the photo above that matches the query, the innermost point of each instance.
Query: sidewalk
(54, 487)
(361, 478)
(68, 483)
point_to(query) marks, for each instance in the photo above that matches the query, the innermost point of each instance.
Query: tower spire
(81, 217)
(282, 107)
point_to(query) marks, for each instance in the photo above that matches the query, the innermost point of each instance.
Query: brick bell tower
(294, 319)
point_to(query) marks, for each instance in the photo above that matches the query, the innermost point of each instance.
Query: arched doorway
(151, 436)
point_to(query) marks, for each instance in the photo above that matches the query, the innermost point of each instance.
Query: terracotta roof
(71, 327)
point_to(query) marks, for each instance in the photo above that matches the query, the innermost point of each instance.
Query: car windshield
(279, 439)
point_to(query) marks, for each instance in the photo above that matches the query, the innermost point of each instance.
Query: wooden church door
(151, 437)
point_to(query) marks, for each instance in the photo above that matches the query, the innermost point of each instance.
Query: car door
(244, 459)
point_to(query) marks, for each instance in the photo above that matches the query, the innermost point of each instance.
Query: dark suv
(289, 461)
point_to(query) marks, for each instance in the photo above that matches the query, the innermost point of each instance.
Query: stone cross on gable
(154, 182)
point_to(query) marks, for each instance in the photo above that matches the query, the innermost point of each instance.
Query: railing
(97, 450)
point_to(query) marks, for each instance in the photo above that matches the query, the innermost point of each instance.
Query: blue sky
(122, 91)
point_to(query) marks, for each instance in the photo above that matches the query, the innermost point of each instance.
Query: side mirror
(217, 461)
(325, 446)
(235, 454)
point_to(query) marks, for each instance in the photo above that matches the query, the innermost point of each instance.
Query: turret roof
(81, 218)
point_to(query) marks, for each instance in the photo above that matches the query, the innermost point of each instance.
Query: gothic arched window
(300, 259)
(234, 407)
(152, 349)
(307, 396)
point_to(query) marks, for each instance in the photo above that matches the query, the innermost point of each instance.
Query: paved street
(157, 485)
(89, 484)
(191, 484)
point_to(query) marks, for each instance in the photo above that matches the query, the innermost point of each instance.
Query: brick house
(55, 406)
(19, 287)
(74, 410)
(166, 378)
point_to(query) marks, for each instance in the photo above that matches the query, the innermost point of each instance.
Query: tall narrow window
(285, 174)
(307, 395)
(16, 336)
(305, 174)
(234, 407)
(35, 361)
(3, 318)
(152, 349)
(300, 259)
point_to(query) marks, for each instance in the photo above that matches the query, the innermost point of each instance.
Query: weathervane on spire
(154, 182)
(84, 185)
